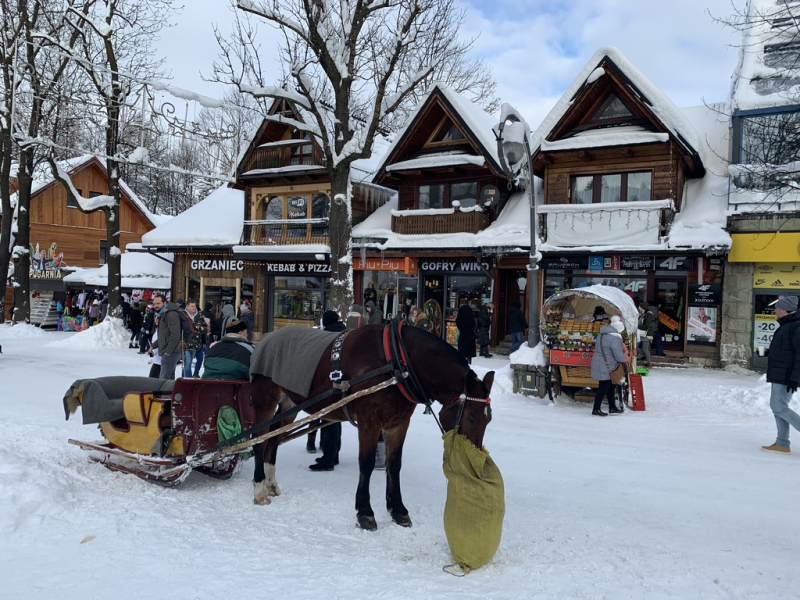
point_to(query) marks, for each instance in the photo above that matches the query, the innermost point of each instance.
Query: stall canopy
(584, 300)
(139, 271)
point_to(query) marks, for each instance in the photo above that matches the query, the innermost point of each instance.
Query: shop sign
(611, 263)
(595, 263)
(407, 264)
(45, 264)
(299, 267)
(674, 263)
(636, 263)
(782, 276)
(715, 264)
(217, 265)
(579, 263)
(454, 265)
(764, 327)
(707, 294)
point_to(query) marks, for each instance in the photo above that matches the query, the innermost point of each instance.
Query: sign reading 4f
(675, 263)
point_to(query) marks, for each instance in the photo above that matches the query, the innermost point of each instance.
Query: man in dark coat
(484, 328)
(169, 335)
(229, 358)
(783, 371)
(516, 325)
(330, 438)
(375, 314)
(148, 325)
(135, 320)
(466, 331)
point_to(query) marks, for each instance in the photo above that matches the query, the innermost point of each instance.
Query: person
(355, 317)
(225, 318)
(104, 308)
(374, 315)
(135, 320)
(148, 327)
(608, 352)
(658, 338)
(484, 328)
(599, 314)
(94, 312)
(465, 323)
(423, 321)
(702, 316)
(126, 309)
(169, 335)
(330, 438)
(783, 371)
(645, 331)
(516, 324)
(229, 358)
(413, 315)
(246, 315)
(194, 341)
(154, 360)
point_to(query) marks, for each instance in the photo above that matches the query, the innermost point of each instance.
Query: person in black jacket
(135, 320)
(484, 328)
(517, 325)
(783, 371)
(148, 327)
(466, 331)
(330, 439)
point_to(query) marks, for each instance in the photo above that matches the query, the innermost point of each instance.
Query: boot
(311, 446)
(380, 457)
(777, 449)
(599, 413)
(616, 411)
(320, 466)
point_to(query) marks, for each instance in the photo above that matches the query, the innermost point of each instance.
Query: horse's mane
(439, 344)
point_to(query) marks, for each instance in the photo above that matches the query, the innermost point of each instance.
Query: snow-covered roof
(767, 75)
(437, 159)
(662, 107)
(217, 220)
(139, 270)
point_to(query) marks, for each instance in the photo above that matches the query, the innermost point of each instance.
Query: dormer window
(611, 108)
(446, 133)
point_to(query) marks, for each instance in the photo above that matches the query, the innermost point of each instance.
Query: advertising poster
(702, 325)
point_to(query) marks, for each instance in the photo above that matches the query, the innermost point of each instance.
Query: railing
(287, 154)
(457, 222)
(285, 232)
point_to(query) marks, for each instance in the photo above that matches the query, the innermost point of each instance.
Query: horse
(443, 374)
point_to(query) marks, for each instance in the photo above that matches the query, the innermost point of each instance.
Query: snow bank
(22, 330)
(529, 356)
(108, 334)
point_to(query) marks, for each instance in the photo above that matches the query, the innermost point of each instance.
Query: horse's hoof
(274, 490)
(402, 520)
(261, 500)
(366, 522)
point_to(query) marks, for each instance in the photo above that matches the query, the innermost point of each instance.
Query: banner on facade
(636, 263)
(781, 276)
(702, 325)
(578, 263)
(304, 268)
(764, 327)
(406, 264)
(706, 294)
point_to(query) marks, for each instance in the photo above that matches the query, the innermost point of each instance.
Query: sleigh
(155, 433)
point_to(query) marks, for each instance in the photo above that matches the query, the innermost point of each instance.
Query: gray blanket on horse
(290, 356)
(100, 399)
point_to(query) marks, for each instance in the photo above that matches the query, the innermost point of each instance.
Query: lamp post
(513, 148)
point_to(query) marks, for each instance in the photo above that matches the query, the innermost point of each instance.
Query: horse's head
(472, 411)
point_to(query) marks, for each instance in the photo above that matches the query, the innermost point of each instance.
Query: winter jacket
(338, 326)
(135, 320)
(356, 317)
(195, 340)
(169, 330)
(466, 331)
(484, 326)
(656, 316)
(516, 320)
(228, 314)
(783, 365)
(229, 358)
(375, 314)
(248, 319)
(611, 342)
(424, 322)
(646, 323)
(149, 321)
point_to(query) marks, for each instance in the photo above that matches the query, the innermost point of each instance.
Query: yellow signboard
(764, 327)
(766, 247)
(781, 276)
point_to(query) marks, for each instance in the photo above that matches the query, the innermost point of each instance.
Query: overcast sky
(535, 47)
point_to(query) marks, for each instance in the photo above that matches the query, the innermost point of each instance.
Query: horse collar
(399, 360)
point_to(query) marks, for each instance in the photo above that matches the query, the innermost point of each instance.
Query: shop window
(612, 187)
(431, 196)
(391, 291)
(297, 301)
(103, 252)
(465, 193)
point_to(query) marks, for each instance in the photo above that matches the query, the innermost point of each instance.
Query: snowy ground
(675, 502)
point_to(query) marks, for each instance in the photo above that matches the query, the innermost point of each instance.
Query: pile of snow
(529, 356)
(19, 331)
(108, 334)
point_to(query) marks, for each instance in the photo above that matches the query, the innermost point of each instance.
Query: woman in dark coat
(466, 332)
(484, 327)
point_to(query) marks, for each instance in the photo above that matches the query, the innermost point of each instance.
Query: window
(431, 196)
(465, 193)
(296, 209)
(613, 187)
(769, 139)
(103, 252)
(447, 133)
(95, 194)
(320, 209)
(72, 203)
(611, 108)
(285, 209)
(301, 155)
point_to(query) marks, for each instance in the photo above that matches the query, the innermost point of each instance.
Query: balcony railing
(283, 155)
(429, 224)
(285, 232)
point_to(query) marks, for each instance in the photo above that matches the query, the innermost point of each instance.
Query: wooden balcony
(457, 222)
(285, 232)
(285, 154)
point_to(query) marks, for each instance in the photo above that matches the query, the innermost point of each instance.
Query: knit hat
(787, 303)
(235, 326)
(616, 319)
(618, 326)
(329, 317)
(244, 308)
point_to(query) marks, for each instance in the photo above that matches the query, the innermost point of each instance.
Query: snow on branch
(86, 205)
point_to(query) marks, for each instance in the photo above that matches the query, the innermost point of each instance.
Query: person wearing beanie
(609, 351)
(246, 315)
(375, 316)
(331, 322)
(783, 371)
(645, 331)
(229, 358)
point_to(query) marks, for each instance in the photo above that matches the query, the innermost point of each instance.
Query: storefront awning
(765, 247)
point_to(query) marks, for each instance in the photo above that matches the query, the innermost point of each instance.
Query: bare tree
(350, 66)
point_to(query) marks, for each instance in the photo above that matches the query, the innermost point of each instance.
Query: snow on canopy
(216, 220)
(139, 271)
(662, 107)
(767, 74)
(582, 298)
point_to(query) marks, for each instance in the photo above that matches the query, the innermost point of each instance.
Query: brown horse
(444, 375)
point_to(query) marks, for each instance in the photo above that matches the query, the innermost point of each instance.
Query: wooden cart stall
(569, 331)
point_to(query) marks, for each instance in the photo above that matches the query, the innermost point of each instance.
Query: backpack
(187, 327)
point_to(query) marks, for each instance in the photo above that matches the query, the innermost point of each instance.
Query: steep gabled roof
(474, 124)
(609, 69)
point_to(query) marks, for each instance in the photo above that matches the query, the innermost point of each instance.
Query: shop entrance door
(671, 294)
(219, 296)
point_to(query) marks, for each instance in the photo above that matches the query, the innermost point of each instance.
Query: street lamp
(513, 148)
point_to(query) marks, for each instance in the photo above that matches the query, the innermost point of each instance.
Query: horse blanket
(100, 399)
(290, 355)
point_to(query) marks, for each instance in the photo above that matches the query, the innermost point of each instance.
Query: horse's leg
(271, 452)
(265, 396)
(394, 439)
(368, 434)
